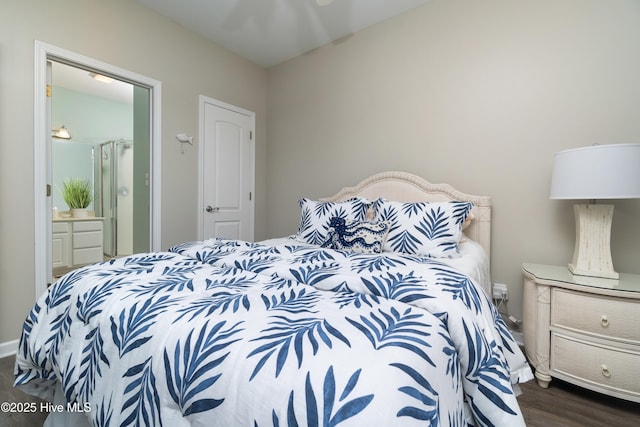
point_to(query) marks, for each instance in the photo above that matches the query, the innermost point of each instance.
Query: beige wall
(129, 36)
(479, 94)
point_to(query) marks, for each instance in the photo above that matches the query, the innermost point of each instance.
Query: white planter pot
(79, 213)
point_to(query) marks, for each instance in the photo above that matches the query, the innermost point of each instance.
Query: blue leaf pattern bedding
(232, 333)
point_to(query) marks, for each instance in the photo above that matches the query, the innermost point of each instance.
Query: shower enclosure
(113, 178)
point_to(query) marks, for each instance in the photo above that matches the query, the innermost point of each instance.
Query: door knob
(212, 210)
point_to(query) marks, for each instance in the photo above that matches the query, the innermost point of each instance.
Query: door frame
(207, 100)
(42, 157)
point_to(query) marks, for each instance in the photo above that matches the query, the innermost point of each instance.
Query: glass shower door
(114, 195)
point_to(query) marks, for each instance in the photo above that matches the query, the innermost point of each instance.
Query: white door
(226, 171)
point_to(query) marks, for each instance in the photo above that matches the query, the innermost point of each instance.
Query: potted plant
(77, 194)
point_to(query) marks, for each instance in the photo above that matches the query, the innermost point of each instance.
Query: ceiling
(269, 32)
(266, 32)
(79, 80)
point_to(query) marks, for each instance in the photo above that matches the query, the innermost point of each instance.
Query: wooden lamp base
(592, 251)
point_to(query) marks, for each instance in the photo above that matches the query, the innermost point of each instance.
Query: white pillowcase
(431, 229)
(315, 217)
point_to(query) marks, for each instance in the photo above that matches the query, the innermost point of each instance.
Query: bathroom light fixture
(101, 78)
(62, 133)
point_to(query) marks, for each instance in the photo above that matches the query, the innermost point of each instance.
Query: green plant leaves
(77, 193)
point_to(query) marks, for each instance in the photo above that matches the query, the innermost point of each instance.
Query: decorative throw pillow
(315, 217)
(357, 236)
(431, 229)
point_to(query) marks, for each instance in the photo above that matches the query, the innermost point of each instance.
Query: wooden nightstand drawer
(596, 366)
(584, 331)
(598, 315)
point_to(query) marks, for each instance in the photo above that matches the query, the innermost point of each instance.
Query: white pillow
(315, 217)
(431, 229)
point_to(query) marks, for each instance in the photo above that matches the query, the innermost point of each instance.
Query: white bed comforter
(231, 333)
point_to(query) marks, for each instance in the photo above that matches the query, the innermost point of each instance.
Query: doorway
(98, 116)
(146, 127)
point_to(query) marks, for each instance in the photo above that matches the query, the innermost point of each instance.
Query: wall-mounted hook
(182, 138)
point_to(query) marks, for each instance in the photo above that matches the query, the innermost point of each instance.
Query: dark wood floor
(10, 394)
(564, 404)
(560, 405)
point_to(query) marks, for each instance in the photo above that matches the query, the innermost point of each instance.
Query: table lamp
(590, 173)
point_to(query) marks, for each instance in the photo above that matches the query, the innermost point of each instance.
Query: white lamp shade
(597, 172)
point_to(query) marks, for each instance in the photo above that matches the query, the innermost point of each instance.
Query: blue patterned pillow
(357, 236)
(423, 228)
(315, 217)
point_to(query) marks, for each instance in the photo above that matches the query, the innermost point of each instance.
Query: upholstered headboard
(405, 187)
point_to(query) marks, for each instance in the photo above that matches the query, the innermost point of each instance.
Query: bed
(374, 313)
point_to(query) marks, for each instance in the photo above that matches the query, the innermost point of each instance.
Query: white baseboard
(8, 348)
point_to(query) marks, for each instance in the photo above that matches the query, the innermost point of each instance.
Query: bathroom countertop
(69, 218)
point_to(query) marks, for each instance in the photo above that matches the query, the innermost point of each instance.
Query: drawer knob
(605, 371)
(604, 322)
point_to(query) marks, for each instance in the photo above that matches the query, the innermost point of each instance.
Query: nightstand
(583, 330)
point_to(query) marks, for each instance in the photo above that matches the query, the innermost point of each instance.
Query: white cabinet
(87, 242)
(583, 330)
(77, 242)
(60, 244)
